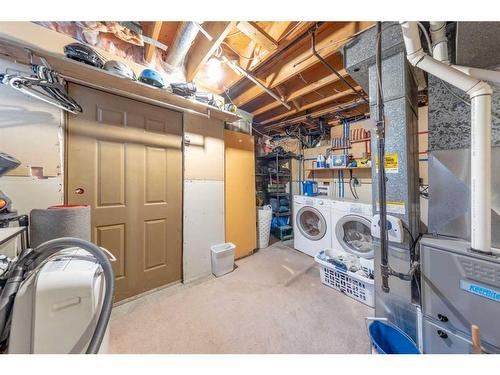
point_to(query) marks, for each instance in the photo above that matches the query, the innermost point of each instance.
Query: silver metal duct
(184, 38)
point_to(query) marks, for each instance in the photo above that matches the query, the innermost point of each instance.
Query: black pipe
(331, 68)
(279, 53)
(384, 251)
(282, 51)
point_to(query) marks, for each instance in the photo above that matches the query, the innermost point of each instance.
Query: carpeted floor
(261, 307)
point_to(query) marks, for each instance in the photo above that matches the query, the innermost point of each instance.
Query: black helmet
(184, 89)
(81, 52)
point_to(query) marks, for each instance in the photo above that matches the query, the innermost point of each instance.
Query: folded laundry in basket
(351, 261)
(362, 273)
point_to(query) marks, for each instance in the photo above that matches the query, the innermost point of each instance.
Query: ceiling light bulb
(214, 69)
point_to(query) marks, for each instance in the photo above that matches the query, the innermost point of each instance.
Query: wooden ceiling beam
(203, 48)
(257, 34)
(311, 105)
(313, 86)
(153, 31)
(283, 42)
(327, 45)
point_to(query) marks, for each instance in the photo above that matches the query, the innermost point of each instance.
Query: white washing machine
(351, 227)
(312, 224)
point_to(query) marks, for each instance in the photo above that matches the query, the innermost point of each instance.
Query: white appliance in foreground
(351, 227)
(56, 309)
(312, 224)
(394, 228)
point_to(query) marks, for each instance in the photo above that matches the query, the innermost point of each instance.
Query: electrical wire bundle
(44, 84)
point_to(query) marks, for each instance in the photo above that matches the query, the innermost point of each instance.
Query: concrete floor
(258, 308)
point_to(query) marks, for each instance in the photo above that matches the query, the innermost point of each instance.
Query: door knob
(79, 190)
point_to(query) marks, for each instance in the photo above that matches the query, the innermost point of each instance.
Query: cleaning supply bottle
(320, 161)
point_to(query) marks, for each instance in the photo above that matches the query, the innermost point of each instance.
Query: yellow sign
(391, 163)
(394, 207)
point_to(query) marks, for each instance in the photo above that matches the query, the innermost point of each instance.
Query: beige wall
(204, 157)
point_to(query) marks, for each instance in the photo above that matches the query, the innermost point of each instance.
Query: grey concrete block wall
(449, 117)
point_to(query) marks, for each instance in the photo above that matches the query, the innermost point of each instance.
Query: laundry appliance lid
(311, 223)
(353, 232)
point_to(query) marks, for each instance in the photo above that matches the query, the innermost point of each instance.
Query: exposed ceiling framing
(279, 56)
(152, 30)
(204, 48)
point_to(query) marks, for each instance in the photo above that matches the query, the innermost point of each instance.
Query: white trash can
(222, 258)
(264, 218)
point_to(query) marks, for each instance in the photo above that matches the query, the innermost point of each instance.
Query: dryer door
(353, 232)
(311, 223)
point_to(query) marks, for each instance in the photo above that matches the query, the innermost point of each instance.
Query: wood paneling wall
(240, 192)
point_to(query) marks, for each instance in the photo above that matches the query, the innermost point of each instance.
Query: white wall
(30, 131)
(203, 225)
(203, 193)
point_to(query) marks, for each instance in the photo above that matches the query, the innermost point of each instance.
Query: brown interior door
(124, 159)
(239, 195)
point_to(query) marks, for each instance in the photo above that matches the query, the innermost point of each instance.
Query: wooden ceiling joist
(327, 45)
(257, 34)
(327, 99)
(293, 96)
(153, 31)
(203, 48)
(283, 43)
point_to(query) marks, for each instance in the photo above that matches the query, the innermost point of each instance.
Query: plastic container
(310, 188)
(355, 286)
(222, 258)
(264, 218)
(388, 339)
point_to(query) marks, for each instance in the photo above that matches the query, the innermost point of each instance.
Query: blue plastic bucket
(388, 339)
(310, 188)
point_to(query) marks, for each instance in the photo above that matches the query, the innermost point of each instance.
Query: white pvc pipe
(446, 73)
(480, 94)
(482, 74)
(439, 41)
(481, 172)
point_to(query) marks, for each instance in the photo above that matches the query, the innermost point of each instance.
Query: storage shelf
(272, 174)
(335, 169)
(286, 213)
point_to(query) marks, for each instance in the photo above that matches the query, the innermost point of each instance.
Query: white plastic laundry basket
(355, 286)
(222, 258)
(264, 218)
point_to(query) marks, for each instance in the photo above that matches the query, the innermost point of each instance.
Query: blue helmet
(152, 77)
